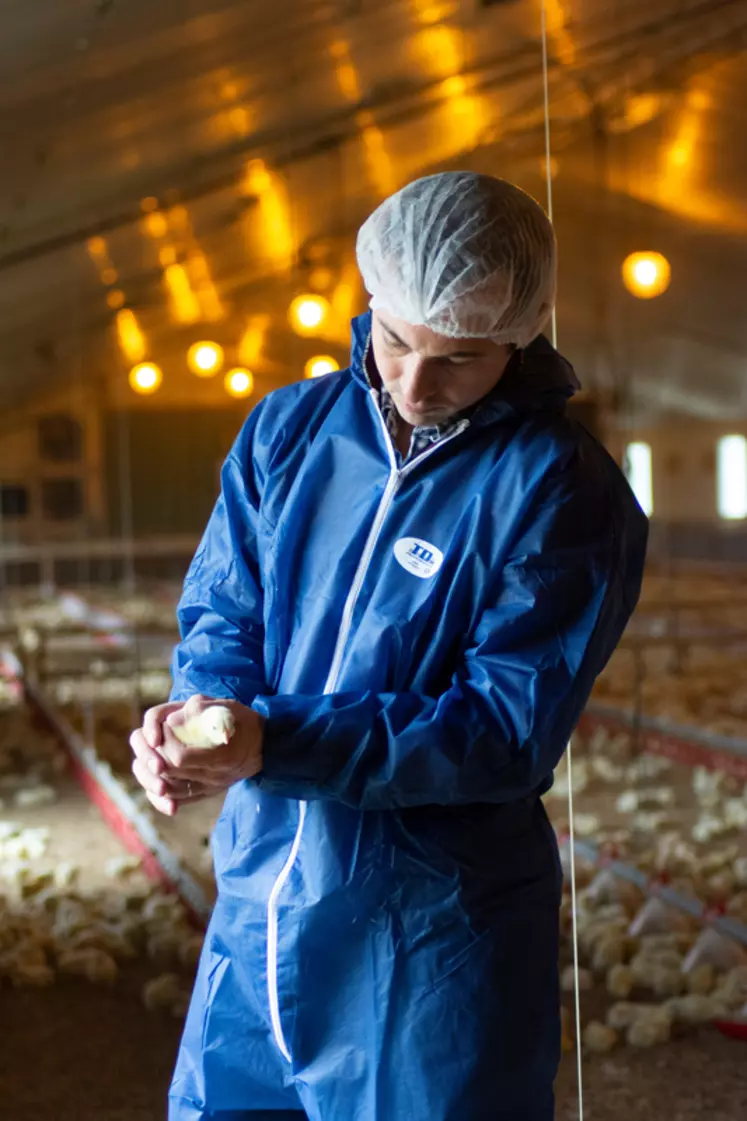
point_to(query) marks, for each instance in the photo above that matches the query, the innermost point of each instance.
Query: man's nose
(415, 379)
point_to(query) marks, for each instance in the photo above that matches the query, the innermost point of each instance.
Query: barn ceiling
(199, 162)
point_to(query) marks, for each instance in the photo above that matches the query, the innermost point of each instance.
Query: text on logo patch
(418, 557)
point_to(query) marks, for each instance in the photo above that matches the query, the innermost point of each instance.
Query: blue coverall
(421, 638)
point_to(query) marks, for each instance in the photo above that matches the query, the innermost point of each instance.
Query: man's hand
(172, 773)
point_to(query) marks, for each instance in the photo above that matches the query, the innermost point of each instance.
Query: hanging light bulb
(646, 275)
(239, 382)
(321, 365)
(205, 359)
(307, 313)
(145, 377)
(321, 278)
(96, 246)
(115, 299)
(155, 225)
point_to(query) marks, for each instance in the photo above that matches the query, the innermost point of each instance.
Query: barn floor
(78, 1052)
(84, 1053)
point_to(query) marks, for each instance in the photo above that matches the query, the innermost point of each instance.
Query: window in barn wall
(640, 475)
(62, 499)
(60, 438)
(731, 477)
(14, 501)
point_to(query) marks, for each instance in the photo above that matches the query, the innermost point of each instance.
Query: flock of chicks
(686, 665)
(103, 611)
(38, 623)
(650, 965)
(647, 805)
(52, 924)
(707, 692)
(658, 970)
(648, 969)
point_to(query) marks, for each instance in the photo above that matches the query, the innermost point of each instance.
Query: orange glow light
(205, 359)
(307, 313)
(253, 339)
(179, 217)
(646, 275)
(321, 365)
(321, 278)
(239, 382)
(184, 303)
(145, 377)
(96, 246)
(131, 339)
(156, 225)
(115, 299)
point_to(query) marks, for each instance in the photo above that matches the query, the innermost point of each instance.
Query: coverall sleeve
(220, 612)
(496, 734)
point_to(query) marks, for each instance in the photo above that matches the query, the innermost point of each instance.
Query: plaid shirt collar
(422, 437)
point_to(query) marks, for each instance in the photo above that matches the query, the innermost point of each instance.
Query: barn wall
(684, 468)
(26, 466)
(172, 463)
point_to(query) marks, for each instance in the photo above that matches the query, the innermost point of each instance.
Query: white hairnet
(467, 255)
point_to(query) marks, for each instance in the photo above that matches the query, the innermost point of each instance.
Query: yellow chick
(211, 728)
(650, 1028)
(620, 981)
(599, 1038)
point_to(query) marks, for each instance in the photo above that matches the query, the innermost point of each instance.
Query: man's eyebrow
(393, 335)
(452, 354)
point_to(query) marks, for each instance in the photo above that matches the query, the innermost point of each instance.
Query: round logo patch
(418, 557)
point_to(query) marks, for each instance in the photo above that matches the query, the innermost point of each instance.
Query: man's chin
(426, 419)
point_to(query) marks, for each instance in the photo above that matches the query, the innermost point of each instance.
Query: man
(415, 571)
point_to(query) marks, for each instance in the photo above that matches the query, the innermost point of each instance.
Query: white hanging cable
(126, 504)
(569, 750)
(548, 169)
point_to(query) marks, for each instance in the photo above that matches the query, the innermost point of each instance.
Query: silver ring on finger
(189, 789)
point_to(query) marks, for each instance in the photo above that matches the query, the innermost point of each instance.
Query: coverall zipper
(397, 474)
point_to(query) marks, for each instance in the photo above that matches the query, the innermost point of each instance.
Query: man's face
(429, 377)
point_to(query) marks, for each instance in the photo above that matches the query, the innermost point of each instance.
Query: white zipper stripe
(272, 936)
(343, 634)
(360, 575)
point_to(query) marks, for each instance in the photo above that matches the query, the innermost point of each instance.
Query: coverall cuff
(288, 768)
